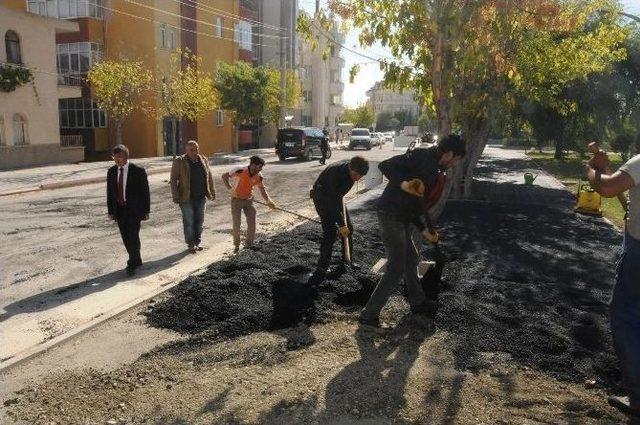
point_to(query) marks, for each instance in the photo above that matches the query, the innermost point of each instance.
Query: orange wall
(213, 139)
(19, 5)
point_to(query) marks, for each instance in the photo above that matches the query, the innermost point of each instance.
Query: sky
(355, 93)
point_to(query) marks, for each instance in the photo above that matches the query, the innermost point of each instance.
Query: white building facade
(29, 116)
(382, 99)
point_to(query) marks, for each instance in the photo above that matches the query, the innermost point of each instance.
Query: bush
(12, 76)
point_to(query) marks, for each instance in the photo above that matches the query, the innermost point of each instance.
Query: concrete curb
(214, 161)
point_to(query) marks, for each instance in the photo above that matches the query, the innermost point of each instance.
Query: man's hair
(193, 143)
(256, 160)
(453, 143)
(120, 149)
(359, 164)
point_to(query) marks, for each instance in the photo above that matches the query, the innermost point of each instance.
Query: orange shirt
(243, 183)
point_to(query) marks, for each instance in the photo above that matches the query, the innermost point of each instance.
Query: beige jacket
(181, 176)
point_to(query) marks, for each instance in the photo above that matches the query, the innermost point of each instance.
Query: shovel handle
(345, 239)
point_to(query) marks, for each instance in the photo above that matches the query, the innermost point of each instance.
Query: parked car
(389, 135)
(375, 139)
(360, 138)
(299, 142)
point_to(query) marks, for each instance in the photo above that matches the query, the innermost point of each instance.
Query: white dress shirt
(125, 173)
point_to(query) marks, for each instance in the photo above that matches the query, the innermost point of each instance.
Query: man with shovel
(416, 182)
(624, 310)
(328, 197)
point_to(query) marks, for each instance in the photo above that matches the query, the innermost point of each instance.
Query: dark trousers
(329, 235)
(324, 155)
(129, 225)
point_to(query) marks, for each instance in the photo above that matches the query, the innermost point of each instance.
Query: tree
(362, 116)
(464, 57)
(383, 121)
(405, 118)
(188, 91)
(622, 144)
(253, 93)
(118, 86)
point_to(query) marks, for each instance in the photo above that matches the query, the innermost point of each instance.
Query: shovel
(345, 239)
(431, 281)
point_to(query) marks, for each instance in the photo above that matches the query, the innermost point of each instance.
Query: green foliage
(254, 93)
(12, 76)
(118, 86)
(188, 91)
(622, 144)
(383, 121)
(362, 116)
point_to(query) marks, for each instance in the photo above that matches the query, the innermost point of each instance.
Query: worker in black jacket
(416, 182)
(328, 192)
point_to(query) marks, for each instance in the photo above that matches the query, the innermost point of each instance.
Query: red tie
(121, 188)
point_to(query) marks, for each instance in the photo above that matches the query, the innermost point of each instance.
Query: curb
(214, 161)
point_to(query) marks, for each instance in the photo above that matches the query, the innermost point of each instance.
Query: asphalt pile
(529, 281)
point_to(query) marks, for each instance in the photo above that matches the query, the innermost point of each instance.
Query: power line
(231, 15)
(194, 20)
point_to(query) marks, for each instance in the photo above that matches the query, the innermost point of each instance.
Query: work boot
(317, 277)
(623, 404)
(372, 325)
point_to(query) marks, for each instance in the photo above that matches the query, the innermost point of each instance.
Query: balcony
(71, 141)
(336, 62)
(336, 87)
(69, 86)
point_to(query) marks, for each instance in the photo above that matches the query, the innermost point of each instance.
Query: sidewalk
(65, 175)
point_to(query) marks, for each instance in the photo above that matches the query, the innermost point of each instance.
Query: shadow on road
(56, 297)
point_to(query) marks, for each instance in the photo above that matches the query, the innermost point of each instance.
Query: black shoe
(354, 266)
(423, 322)
(131, 270)
(199, 247)
(373, 325)
(622, 404)
(317, 278)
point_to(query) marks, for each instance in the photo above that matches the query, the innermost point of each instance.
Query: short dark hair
(120, 149)
(359, 164)
(256, 160)
(453, 143)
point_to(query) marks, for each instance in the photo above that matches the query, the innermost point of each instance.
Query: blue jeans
(192, 220)
(625, 317)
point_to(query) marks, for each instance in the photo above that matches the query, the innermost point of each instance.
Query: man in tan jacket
(191, 184)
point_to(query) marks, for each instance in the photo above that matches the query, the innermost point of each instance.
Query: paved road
(63, 260)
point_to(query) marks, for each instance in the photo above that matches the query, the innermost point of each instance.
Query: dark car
(300, 142)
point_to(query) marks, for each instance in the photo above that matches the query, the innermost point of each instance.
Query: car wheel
(282, 157)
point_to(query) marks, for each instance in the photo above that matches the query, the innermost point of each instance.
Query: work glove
(413, 187)
(344, 231)
(271, 204)
(431, 235)
(600, 161)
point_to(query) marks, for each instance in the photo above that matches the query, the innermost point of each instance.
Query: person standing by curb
(415, 179)
(624, 309)
(240, 181)
(128, 202)
(191, 185)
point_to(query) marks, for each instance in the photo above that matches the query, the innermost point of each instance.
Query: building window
(243, 35)
(81, 113)
(219, 118)
(307, 95)
(75, 60)
(172, 39)
(12, 44)
(306, 120)
(333, 51)
(163, 36)
(219, 28)
(19, 130)
(335, 99)
(64, 9)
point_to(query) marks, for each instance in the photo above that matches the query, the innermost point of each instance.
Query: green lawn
(571, 170)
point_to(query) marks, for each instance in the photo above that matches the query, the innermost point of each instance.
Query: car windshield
(360, 133)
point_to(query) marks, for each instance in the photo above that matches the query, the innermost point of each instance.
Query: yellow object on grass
(589, 201)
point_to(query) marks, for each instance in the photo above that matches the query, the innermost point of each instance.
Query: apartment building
(149, 31)
(29, 118)
(321, 74)
(382, 99)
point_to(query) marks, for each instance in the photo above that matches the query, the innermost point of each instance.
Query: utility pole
(283, 65)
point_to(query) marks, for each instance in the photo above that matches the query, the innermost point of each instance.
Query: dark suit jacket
(136, 192)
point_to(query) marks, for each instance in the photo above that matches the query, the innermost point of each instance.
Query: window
(172, 39)
(335, 99)
(306, 120)
(163, 35)
(219, 23)
(219, 118)
(244, 35)
(12, 45)
(306, 95)
(19, 130)
(333, 51)
(75, 60)
(67, 8)
(81, 113)
(334, 76)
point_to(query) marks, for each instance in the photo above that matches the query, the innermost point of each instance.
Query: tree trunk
(118, 123)
(558, 154)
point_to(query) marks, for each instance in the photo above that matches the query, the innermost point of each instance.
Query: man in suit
(128, 202)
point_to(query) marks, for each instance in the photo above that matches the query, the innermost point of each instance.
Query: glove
(344, 231)
(271, 204)
(431, 235)
(413, 187)
(600, 161)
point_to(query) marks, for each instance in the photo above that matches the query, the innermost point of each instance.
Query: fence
(71, 140)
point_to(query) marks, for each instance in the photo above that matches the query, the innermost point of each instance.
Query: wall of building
(36, 102)
(31, 155)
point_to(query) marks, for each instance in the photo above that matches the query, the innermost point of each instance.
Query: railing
(71, 140)
(70, 79)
